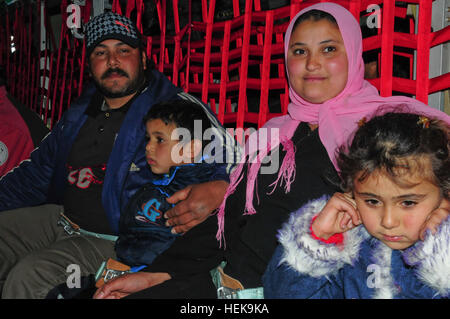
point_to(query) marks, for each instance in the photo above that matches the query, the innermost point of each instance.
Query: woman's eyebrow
(297, 43)
(321, 42)
(328, 41)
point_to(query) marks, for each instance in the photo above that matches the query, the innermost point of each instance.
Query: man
(88, 167)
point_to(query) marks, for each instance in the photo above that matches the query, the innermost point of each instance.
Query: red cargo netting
(233, 60)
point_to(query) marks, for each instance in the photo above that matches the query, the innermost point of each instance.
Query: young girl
(397, 171)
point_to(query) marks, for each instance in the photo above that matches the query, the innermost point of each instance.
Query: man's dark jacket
(42, 179)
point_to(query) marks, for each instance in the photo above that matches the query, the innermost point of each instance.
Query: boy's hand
(435, 218)
(197, 203)
(339, 215)
(127, 284)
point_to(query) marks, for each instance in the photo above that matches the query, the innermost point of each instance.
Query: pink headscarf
(337, 118)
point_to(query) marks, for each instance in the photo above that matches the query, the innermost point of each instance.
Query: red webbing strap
(188, 61)
(2, 44)
(236, 11)
(41, 89)
(259, 36)
(176, 18)
(423, 50)
(265, 74)
(116, 7)
(130, 7)
(71, 77)
(139, 11)
(440, 36)
(242, 99)
(83, 62)
(224, 71)
(14, 57)
(63, 89)
(86, 16)
(387, 47)
(177, 40)
(49, 87)
(207, 56)
(149, 41)
(161, 8)
(355, 8)
(284, 98)
(31, 102)
(29, 88)
(441, 82)
(38, 101)
(24, 64)
(58, 59)
(19, 38)
(294, 9)
(18, 41)
(8, 50)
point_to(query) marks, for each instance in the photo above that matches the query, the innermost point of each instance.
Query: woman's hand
(130, 283)
(339, 215)
(197, 203)
(435, 218)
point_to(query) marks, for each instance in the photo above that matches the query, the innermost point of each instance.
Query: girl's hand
(435, 218)
(339, 215)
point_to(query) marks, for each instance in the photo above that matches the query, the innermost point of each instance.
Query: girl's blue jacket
(360, 267)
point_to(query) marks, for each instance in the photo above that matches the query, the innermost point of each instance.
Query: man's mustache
(114, 70)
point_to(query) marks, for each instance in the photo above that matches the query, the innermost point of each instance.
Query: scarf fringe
(286, 173)
(235, 179)
(287, 170)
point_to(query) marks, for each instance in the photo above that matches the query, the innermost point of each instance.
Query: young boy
(145, 242)
(176, 163)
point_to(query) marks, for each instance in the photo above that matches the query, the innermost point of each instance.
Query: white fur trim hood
(431, 258)
(310, 256)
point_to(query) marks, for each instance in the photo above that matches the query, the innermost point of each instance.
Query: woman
(329, 96)
(323, 54)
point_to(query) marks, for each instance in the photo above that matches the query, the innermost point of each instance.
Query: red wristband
(335, 239)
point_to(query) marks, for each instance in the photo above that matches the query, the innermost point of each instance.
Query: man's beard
(131, 88)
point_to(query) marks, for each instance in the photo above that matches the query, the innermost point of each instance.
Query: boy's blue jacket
(360, 267)
(143, 234)
(42, 178)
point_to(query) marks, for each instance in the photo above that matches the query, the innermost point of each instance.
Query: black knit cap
(110, 25)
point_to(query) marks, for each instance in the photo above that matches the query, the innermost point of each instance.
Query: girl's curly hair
(398, 143)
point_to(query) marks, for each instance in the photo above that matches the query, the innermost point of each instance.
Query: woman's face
(317, 61)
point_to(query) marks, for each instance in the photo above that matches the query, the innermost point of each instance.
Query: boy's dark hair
(183, 114)
(315, 15)
(398, 140)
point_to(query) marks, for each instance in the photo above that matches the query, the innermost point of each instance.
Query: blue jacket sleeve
(281, 281)
(303, 267)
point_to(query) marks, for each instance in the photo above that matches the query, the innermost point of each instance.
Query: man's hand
(339, 215)
(130, 283)
(197, 203)
(435, 218)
